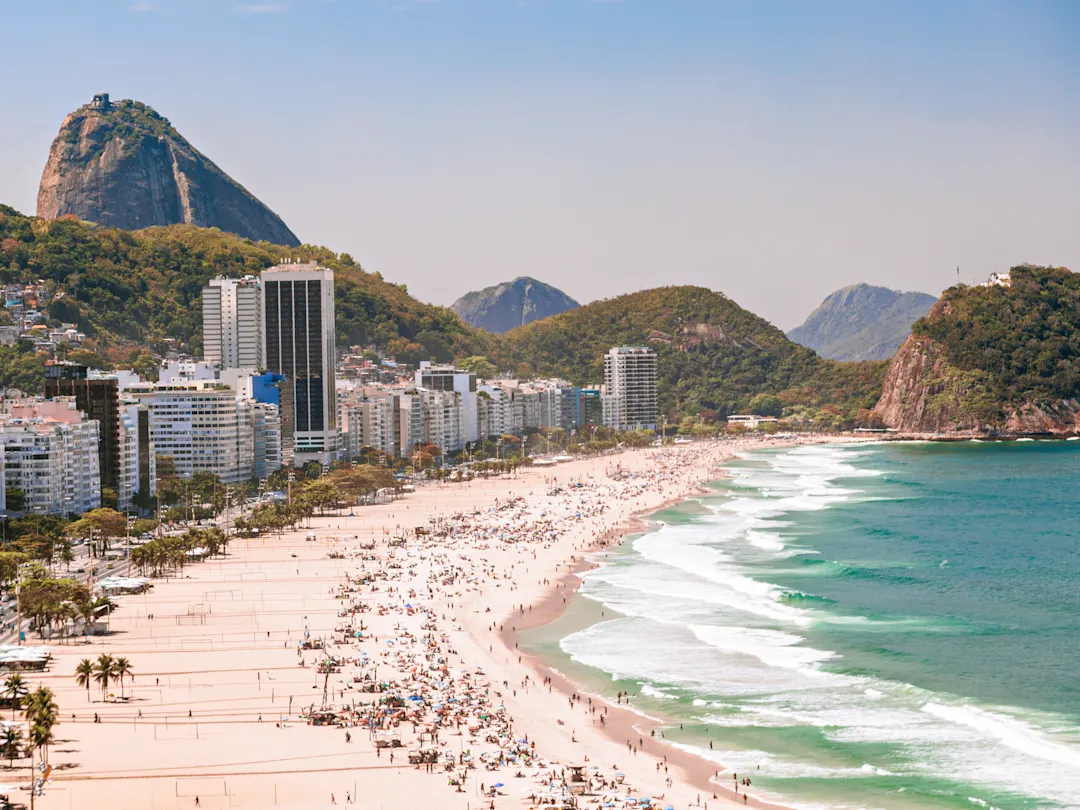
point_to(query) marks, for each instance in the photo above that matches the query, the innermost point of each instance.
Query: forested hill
(713, 354)
(132, 290)
(135, 288)
(995, 357)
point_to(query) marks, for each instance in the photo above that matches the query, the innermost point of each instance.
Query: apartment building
(630, 374)
(233, 335)
(50, 455)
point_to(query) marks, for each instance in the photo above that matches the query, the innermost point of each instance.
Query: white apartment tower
(448, 378)
(233, 323)
(630, 376)
(298, 317)
(50, 452)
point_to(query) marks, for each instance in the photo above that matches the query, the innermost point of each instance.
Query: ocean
(892, 625)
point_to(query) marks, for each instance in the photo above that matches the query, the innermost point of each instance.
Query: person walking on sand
(197, 803)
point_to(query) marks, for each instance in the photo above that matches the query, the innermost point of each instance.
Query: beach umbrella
(498, 785)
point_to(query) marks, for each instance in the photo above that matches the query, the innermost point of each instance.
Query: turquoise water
(886, 626)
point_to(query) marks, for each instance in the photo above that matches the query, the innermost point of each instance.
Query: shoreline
(215, 650)
(624, 723)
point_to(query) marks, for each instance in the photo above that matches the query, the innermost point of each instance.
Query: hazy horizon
(774, 151)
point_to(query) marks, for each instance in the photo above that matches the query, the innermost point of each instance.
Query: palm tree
(12, 744)
(41, 709)
(84, 674)
(122, 669)
(15, 689)
(103, 672)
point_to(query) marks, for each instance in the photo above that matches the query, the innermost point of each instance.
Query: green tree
(104, 669)
(12, 744)
(15, 689)
(84, 675)
(15, 498)
(478, 365)
(767, 405)
(122, 669)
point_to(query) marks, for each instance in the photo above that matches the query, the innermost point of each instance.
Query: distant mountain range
(511, 304)
(121, 165)
(862, 322)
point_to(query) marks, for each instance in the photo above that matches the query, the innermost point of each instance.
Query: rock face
(513, 303)
(926, 390)
(862, 322)
(122, 165)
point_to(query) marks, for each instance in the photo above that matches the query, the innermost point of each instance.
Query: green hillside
(130, 289)
(713, 354)
(1023, 340)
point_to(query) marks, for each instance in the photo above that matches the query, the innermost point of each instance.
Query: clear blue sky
(771, 150)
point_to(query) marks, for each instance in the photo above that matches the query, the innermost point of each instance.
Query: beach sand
(214, 710)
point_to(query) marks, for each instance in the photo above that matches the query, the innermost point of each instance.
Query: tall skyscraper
(298, 316)
(630, 376)
(233, 323)
(98, 398)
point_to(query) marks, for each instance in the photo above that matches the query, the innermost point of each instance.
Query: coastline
(623, 723)
(215, 708)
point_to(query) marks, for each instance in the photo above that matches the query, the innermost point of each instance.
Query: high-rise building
(50, 453)
(298, 316)
(202, 427)
(232, 323)
(448, 378)
(138, 468)
(97, 396)
(630, 375)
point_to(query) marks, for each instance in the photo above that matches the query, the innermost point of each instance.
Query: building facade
(97, 396)
(630, 375)
(138, 462)
(448, 378)
(233, 335)
(201, 427)
(50, 452)
(298, 316)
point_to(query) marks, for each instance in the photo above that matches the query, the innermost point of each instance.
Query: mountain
(124, 166)
(511, 304)
(862, 322)
(713, 354)
(1002, 357)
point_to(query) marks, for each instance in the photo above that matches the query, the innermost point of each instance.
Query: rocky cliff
(862, 322)
(998, 358)
(122, 165)
(512, 304)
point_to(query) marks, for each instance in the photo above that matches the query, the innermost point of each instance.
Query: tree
(767, 405)
(41, 708)
(15, 689)
(478, 365)
(104, 669)
(102, 524)
(122, 669)
(84, 674)
(12, 744)
(109, 498)
(15, 499)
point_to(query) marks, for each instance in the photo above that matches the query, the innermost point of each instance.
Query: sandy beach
(220, 703)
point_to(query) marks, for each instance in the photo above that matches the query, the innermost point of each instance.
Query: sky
(771, 150)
